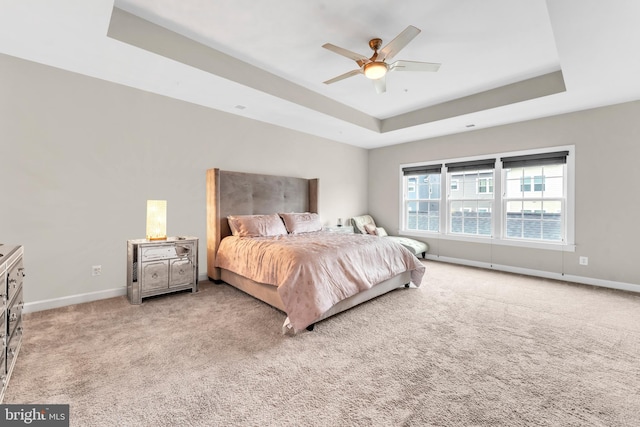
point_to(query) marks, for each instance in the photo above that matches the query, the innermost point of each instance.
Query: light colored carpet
(469, 348)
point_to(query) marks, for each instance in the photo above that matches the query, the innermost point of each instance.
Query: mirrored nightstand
(336, 229)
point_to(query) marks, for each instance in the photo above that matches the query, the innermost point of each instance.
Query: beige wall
(81, 156)
(607, 229)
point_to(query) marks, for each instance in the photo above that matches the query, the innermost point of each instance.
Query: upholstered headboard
(239, 193)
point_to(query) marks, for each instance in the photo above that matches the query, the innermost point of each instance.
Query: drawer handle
(21, 271)
(154, 275)
(13, 317)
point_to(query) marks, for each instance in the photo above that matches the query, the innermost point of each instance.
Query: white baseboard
(48, 304)
(116, 292)
(80, 298)
(541, 273)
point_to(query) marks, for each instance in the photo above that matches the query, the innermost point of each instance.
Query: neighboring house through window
(470, 207)
(535, 212)
(422, 198)
(521, 196)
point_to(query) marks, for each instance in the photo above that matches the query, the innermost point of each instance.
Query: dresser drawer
(3, 290)
(16, 277)
(3, 332)
(13, 347)
(14, 313)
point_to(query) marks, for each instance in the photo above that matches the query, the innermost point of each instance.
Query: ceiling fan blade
(380, 84)
(344, 76)
(360, 59)
(395, 45)
(414, 66)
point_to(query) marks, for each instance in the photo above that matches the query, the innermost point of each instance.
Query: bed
(239, 194)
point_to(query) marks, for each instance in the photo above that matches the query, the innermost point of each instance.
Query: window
(471, 205)
(485, 185)
(538, 183)
(513, 198)
(422, 198)
(537, 214)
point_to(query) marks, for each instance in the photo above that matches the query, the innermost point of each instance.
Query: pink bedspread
(314, 271)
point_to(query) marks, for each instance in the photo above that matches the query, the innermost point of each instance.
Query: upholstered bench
(365, 224)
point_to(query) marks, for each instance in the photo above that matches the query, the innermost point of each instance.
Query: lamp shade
(156, 219)
(375, 70)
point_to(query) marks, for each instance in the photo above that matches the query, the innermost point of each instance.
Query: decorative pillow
(301, 222)
(370, 228)
(380, 231)
(231, 220)
(256, 225)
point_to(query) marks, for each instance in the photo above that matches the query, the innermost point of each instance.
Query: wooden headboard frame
(239, 193)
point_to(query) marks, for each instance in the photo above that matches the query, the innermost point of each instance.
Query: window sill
(564, 247)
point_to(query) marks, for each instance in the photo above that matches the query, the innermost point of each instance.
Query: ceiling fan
(376, 67)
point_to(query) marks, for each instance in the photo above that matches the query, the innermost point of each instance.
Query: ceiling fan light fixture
(375, 70)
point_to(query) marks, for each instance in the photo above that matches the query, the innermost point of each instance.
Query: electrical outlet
(96, 270)
(584, 260)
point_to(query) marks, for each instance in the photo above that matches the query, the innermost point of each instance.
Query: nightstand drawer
(336, 229)
(155, 275)
(182, 272)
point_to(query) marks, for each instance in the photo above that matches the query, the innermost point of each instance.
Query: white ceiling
(482, 45)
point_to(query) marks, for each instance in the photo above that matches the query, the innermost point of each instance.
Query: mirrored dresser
(11, 281)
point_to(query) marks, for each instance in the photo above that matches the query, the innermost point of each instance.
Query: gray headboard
(239, 193)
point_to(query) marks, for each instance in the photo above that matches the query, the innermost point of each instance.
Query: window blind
(542, 159)
(421, 170)
(471, 165)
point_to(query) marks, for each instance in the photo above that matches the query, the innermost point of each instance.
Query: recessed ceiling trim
(135, 31)
(131, 29)
(536, 87)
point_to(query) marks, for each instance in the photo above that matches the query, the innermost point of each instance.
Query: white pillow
(380, 231)
(301, 222)
(256, 225)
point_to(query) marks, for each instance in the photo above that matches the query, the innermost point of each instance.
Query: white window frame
(405, 202)
(448, 202)
(532, 190)
(568, 245)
